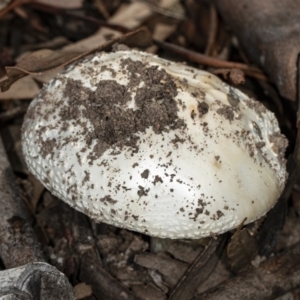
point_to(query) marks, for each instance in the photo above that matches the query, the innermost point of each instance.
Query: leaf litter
(104, 261)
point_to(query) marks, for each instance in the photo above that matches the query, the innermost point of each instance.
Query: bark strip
(18, 244)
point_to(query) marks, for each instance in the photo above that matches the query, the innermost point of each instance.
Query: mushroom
(154, 146)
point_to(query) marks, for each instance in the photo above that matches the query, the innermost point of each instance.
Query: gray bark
(19, 245)
(35, 281)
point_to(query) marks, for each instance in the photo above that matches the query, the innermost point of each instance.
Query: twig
(12, 5)
(55, 10)
(273, 278)
(207, 60)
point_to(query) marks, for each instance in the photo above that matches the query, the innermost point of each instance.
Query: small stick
(56, 10)
(206, 60)
(12, 5)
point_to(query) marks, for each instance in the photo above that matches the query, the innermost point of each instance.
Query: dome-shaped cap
(154, 146)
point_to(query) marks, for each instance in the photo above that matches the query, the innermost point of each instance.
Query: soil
(114, 125)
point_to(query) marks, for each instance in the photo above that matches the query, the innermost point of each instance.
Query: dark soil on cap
(114, 123)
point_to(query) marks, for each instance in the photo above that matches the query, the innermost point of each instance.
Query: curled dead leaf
(41, 61)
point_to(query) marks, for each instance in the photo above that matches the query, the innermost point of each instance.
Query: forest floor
(258, 261)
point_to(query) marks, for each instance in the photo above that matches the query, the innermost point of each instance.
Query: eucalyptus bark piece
(35, 281)
(19, 245)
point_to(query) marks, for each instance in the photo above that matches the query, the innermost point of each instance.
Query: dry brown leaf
(64, 4)
(25, 88)
(45, 60)
(169, 8)
(4, 3)
(130, 16)
(161, 33)
(241, 250)
(55, 43)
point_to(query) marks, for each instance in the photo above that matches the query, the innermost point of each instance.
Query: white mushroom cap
(154, 146)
